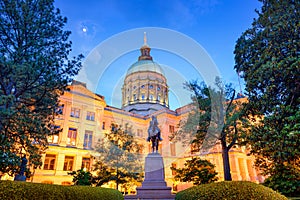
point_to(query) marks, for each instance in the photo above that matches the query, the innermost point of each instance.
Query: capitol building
(85, 117)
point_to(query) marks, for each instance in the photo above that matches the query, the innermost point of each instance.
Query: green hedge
(39, 191)
(235, 190)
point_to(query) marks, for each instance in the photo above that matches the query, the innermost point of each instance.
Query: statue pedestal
(19, 177)
(154, 185)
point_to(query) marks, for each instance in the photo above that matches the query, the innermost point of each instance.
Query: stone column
(246, 170)
(238, 171)
(64, 133)
(60, 163)
(78, 162)
(80, 130)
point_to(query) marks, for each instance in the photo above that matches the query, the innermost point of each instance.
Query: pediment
(83, 91)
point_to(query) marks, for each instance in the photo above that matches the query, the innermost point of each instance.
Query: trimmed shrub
(91, 193)
(37, 191)
(235, 190)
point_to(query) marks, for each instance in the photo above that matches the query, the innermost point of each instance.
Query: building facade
(85, 118)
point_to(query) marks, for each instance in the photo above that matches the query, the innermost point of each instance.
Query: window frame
(88, 139)
(90, 116)
(72, 136)
(68, 163)
(86, 163)
(75, 112)
(47, 162)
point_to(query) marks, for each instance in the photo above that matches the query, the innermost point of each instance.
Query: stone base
(20, 178)
(154, 185)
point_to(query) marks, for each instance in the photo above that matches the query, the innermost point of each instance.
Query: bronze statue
(23, 165)
(154, 134)
(21, 176)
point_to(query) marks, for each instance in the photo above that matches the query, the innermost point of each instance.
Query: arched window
(151, 97)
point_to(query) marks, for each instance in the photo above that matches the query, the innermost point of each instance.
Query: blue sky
(213, 24)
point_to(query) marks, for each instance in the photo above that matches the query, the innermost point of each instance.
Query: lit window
(151, 97)
(66, 183)
(114, 127)
(53, 139)
(72, 135)
(171, 129)
(173, 171)
(88, 139)
(49, 163)
(68, 164)
(90, 116)
(60, 109)
(86, 163)
(75, 112)
(175, 187)
(47, 182)
(195, 148)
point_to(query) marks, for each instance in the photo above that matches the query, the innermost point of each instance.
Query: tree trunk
(226, 164)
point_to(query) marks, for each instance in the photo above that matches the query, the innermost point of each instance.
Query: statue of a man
(23, 165)
(154, 134)
(21, 176)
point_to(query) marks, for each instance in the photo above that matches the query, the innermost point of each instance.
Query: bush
(37, 191)
(81, 177)
(236, 190)
(285, 180)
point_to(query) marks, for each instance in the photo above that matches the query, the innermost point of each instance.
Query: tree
(34, 72)
(120, 152)
(197, 171)
(81, 177)
(267, 56)
(103, 173)
(217, 117)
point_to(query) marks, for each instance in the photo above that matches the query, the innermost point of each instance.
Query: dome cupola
(145, 88)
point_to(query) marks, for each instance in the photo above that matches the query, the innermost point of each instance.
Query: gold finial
(145, 38)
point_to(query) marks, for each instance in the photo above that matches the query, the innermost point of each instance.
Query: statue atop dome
(145, 39)
(145, 50)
